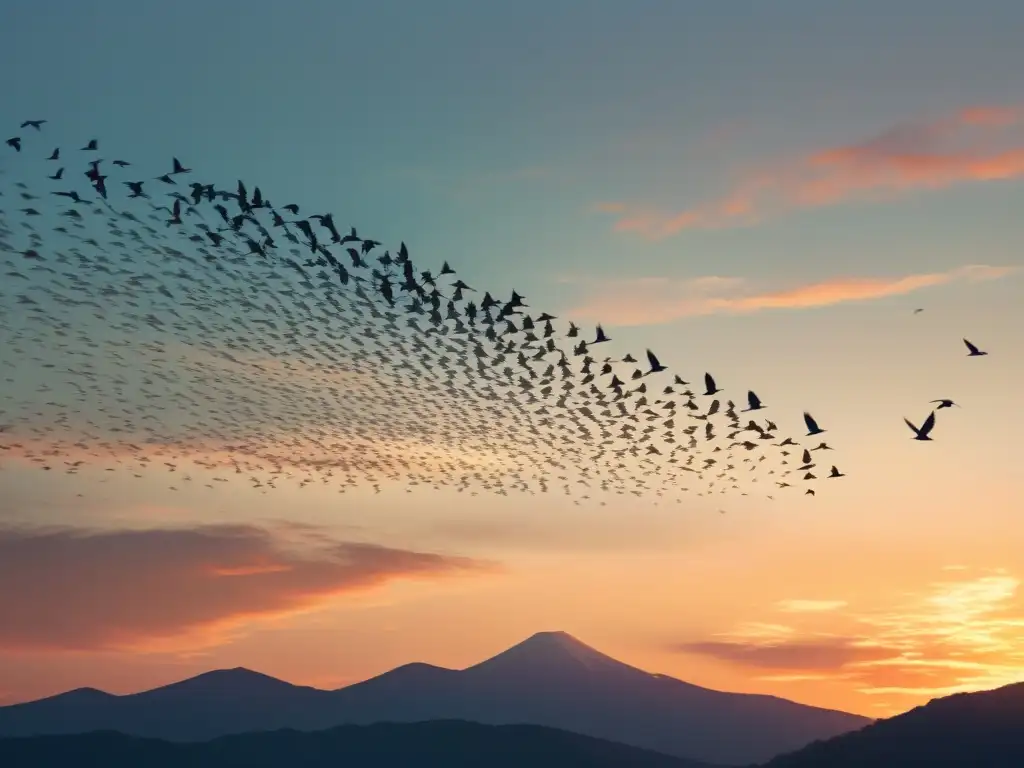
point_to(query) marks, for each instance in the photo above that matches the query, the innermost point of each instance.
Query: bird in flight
(922, 432)
(812, 425)
(753, 402)
(973, 351)
(944, 403)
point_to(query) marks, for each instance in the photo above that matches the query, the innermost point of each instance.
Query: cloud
(974, 144)
(176, 589)
(655, 300)
(955, 636)
(810, 606)
(829, 654)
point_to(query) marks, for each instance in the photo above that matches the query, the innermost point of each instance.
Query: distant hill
(447, 744)
(967, 730)
(550, 679)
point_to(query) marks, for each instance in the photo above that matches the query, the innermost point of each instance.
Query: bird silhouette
(812, 425)
(973, 351)
(753, 403)
(925, 429)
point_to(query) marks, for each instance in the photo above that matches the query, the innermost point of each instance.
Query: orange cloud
(969, 145)
(954, 636)
(650, 301)
(181, 588)
(828, 654)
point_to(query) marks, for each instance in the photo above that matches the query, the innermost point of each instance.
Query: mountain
(451, 743)
(550, 679)
(966, 730)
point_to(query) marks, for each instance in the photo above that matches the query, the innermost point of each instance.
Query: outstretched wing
(928, 424)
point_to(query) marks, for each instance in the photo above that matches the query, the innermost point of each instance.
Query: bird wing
(709, 381)
(910, 424)
(970, 346)
(753, 400)
(812, 425)
(928, 424)
(652, 359)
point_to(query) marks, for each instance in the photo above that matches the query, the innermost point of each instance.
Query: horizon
(775, 218)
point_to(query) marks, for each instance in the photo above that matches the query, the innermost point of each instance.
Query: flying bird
(812, 425)
(656, 367)
(753, 402)
(710, 387)
(973, 351)
(926, 427)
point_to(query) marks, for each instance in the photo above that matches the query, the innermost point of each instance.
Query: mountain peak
(234, 681)
(553, 651)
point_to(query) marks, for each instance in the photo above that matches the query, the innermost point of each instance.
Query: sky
(766, 191)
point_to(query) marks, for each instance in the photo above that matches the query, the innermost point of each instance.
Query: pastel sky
(762, 190)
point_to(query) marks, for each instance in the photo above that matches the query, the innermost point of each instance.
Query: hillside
(966, 730)
(451, 744)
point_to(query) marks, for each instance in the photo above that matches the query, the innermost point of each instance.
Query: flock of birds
(150, 321)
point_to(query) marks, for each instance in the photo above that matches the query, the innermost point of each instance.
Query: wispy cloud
(176, 589)
(974, 144)
(655, 300)
(955, 636)
(810, 606)
(826, 654)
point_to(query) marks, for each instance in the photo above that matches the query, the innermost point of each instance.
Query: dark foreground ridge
(551, 679)
(966, 730)
(452, 744)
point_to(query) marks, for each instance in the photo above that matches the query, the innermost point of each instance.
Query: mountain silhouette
(452, 744)
(968, 730)
(550, 679)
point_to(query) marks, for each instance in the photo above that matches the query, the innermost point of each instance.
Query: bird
(656, 367)
(973, 351)
(15, 143)
(944, 403)
(926, 427)
(753, 403)
(710, 387)
(835, 472)
(812, 425)
(37, 124)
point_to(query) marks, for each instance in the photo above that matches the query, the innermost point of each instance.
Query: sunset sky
(766, 191)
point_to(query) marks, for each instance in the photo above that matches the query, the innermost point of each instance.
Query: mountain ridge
(454, 744)
(550, 679)
(980, 730)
